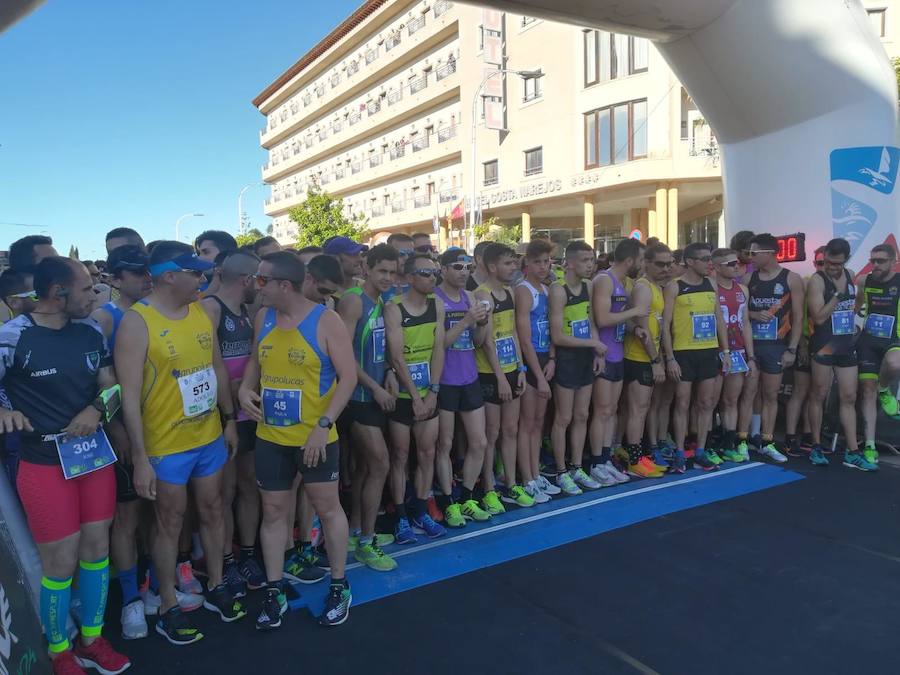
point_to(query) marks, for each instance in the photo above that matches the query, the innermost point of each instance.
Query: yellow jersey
(634, 348)
(179, 397)
(694, 317)
(504, 318)
(297, 380)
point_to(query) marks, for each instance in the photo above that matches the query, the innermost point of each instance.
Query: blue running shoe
(403, 533)
(817, 457)
(856, 460)
(679, 461)
(424, 524)
(659, 457)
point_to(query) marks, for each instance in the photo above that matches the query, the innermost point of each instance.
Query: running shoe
(871, 454)
(534, 491)
(188, 602)
(658, 470)
(713, 457)
(220, 601)
(546, 486)
(888, 402)
(316, 556)
(403, 533)
(613, 471)
(794, 449)
(769, 450)
(134, 622)
(252, 574)
(658, 457)
(273, 608)
(65, 664)
(600, 474)
(642, 469)
(817, 457)
(731, 455)
(584, 481)
(234, 581)
(433, 511)
(297, 568)
(492, 503)
(424, 524)
(744, 448)
(101, 656)
(856, 460)
(381, 539)
(702, 460)
(453, 516)
(337, 605)
(471, 510)
(679, 461)
(175, 627)
(187, 582)
(518, 496)
(373, 557)
(567, 484)
(756, 442)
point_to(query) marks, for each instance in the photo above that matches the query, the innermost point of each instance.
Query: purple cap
(345, 245)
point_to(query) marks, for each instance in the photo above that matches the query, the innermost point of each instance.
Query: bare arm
(556, 298)
(489, 346)
(860, 294)
(130, 354)
(438, 353)
(641, 297)
(105, 320)
(524, 303)
(669, 295)
(795, 283)
(350, 310)
(337, 346)
(746, 329)
(394, 335)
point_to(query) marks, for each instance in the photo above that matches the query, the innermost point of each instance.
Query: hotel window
(876, 16)
(534, 161)
(638, 54)
(534, 87)
(491, 172)
(615, 134)
(591, 57)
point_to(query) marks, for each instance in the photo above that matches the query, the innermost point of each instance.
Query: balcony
(417, 85)
(335, 80)
(375, 160)
(373, 107)
(445, 70)
(413, 26)
(355, 168)
(394, 96)
(398, 151)
(376, 210)
(431, 31)
(421, 200)
(322, 134)
(398, 206)
(421, 142)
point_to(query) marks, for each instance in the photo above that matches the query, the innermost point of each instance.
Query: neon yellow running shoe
(453, 516)
(372, 556)
(492, 503)
(471, 510)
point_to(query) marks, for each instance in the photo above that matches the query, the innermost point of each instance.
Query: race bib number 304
(79, 456)
(198, 392)
(281, 407)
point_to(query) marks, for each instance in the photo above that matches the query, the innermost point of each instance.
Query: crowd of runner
(255, 415)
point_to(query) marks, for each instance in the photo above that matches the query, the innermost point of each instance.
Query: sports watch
(325, 422)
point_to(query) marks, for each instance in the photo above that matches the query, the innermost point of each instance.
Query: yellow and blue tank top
(418, 344)
(179, 397)
(634, 348)
(694, 318)
(504, 320)
(296, 381)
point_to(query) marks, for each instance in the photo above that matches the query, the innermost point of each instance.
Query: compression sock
(128, 582)
(442, 501)
(465, 494)
(247, 552)
(93, 590)
(400, 511)
(755, 425)
(56, 595)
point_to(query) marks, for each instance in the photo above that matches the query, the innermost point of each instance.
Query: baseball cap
(129, 258)
(345, 245)
(186, 261)
(454, 254)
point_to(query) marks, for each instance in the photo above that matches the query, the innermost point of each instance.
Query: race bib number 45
(79, 456)
(281, 407)
(198, 392)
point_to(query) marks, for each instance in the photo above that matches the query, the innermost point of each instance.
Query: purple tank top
(614, 336)
(459, 362)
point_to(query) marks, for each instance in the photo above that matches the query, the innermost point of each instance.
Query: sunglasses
(24, 295)
(761, 250)
(879, 261)
(731, 263)
(263, 281)
(325, 292)
(407, 252)
(459, 267)
(425, 273)
(820, 263)
(663, 265)
(425, 248)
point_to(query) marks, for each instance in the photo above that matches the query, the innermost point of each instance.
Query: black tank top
(234, 332)
(835, 336)
(882, 308)
(773, 296)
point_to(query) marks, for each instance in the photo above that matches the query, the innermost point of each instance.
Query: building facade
(569, 132)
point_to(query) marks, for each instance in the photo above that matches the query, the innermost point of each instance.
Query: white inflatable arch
(800, 94)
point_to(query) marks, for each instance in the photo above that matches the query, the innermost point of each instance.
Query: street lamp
(178, 223)
(241, 207)
(520, 73)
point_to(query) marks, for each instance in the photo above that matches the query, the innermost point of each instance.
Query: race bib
(880, 325)
(78, 456)
(506, 351)
(738, 363)
(420, 374)
(543, 335)
(620, 332)
(281, 407)
(765, 331)
(464, 341)
(704, 327)
(581, 329)
(842, 322)
(198, 392)
(378, 345)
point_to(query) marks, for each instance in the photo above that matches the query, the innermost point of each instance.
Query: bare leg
(565, 404)
(509, 431)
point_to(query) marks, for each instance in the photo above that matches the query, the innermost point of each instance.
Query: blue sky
(134, 113)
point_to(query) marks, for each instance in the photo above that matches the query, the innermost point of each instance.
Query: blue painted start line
(521, 532)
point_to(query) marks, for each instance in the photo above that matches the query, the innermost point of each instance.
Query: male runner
(694, 337)
(533, 328)
(579, 359)
(122, 236)
(296, 383)
(831, 298)
(54, 364)
(17, 293)
(643, 364)
(421, 242)
(403, 244)
(27, 252)
(209, 246)
(266, 245)
(479, 275)
(732, 297)
(349, 254)
(130, 275)
(879, 344)
(609, 299)
(174, 383)
(227, 309)
(502, 376)
(776, 320)
(414, 324)
(375, 396)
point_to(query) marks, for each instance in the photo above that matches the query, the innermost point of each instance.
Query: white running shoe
(567, 484)
(187, 601)
(584, 481)
(546, 486)
(615, 473)
(602, 476)
(769, 450)
(134, 625)
(187, 582)
(534, 491)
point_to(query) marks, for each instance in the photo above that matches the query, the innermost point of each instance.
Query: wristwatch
(792, 350)
(523, 368)
(325, 422)
(653, 362)
(434, 388)
(228, 417)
